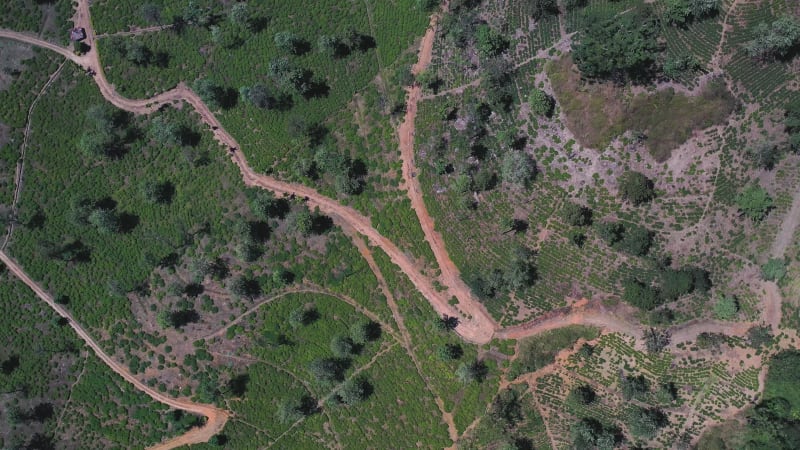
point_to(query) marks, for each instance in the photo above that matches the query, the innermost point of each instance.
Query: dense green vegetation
(56, 391)
(772, 423)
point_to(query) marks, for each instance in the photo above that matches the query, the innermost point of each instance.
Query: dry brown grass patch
(598, 112)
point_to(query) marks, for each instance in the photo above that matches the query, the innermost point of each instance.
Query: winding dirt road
(476, 325)
(216, 418)
(469, 306)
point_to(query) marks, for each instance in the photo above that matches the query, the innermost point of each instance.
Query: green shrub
(773, 270)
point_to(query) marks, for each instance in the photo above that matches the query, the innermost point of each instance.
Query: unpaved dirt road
(469, 307)
(476, 325)
(216, 418)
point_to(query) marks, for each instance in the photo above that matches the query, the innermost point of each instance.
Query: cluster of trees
(773, 423)
(330, 371)
(590, 433)
(676, 66)
(629, 238)
(101, 214)
(348, 174)
(517, 276)
(672, 285)
(776, 40)
(137, 52)
(577, 216)
(291, 78)
(108, 133)
(242, 21)
(680, 12)
(618, 47)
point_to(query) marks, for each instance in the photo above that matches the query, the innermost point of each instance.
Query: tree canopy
(775, 40)
(619, 47)
(635, 187)
(754, 202)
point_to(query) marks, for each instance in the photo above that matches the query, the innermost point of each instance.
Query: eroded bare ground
(475, 326)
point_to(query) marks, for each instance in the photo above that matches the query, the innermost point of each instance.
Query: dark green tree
(576, 215)
(518, 168)
(640, 295)
(645, 423)
(289, 42)
(326, 370)
(164, 132)
(541, 103)
(475, 371)
(301, 221)
(634, 387)
(158, 191)
(354, 391)
(635, 187)
(754, 202)
(490, 42)
(150, 13)
(209, 91)
(342, 347)
(792, 124)
(449, 352)
(363, 332)
(541, 8)
(759, 336)
(138, 53)
(240, 14)
(105, 220)
(259, 96)
(726, 307)
(583, 394)
(618, 47)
